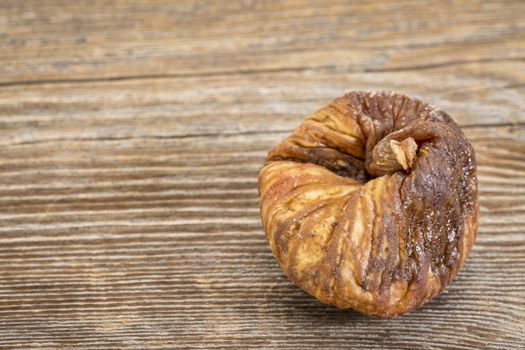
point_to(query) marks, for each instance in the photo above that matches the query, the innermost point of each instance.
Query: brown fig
(372, 202)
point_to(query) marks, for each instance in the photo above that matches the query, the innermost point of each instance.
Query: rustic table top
(132, 134)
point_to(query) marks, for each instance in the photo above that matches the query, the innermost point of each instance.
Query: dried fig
(372, 202)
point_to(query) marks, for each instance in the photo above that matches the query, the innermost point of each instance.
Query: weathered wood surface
(131, 135)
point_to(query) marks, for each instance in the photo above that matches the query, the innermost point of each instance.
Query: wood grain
(131, 135)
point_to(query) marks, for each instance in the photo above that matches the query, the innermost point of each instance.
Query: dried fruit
(372, 203)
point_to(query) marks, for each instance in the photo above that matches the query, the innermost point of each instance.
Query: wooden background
(131, 135)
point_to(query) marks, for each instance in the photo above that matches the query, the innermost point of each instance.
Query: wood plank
(114, 39)
(181, 107)
(147, 242)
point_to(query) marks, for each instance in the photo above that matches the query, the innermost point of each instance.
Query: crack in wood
(325, 68)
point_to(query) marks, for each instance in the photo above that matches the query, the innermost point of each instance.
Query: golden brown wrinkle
(372, 202)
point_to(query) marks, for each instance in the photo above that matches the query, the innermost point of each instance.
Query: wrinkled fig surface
(371, 203)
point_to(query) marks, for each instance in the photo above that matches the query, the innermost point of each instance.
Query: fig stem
(405, 152)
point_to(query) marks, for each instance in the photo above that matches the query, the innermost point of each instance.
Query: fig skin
(371, 203)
